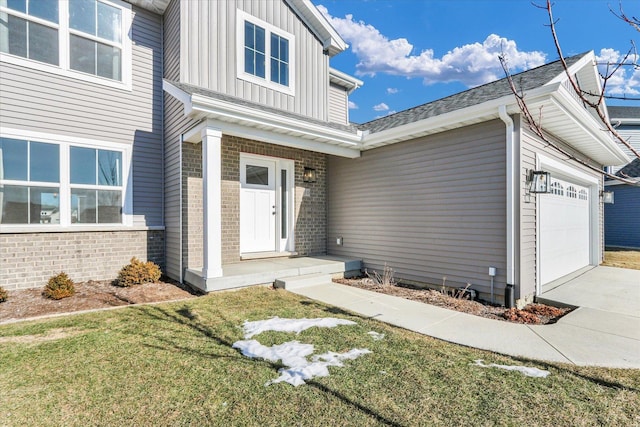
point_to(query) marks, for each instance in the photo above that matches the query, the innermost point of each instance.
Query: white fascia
(565, 101)
(344, 80)
(331, 40)
(274, 120)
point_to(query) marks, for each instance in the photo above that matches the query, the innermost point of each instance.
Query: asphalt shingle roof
(616, 112)
(632, 170)
(526, 80)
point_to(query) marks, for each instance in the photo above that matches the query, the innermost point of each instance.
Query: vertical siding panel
(209, 54)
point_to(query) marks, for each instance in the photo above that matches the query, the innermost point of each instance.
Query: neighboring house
(622, 218)
(256, 158)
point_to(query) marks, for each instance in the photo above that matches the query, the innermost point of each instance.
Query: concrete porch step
(302, 281)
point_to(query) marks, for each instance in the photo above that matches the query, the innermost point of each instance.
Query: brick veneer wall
(310, 198)
(28, 260)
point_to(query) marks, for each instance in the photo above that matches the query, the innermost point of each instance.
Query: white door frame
(562, 170)
(285, 197)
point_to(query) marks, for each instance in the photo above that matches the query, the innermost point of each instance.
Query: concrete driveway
(611, 289)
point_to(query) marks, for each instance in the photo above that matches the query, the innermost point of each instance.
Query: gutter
(513, 163)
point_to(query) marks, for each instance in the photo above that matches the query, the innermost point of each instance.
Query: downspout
(512, 200)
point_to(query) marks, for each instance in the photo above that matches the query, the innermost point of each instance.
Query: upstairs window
(85, 39)
(279, 60)
(254, 50)
(29, 29)
(265, 54)
(95, 38)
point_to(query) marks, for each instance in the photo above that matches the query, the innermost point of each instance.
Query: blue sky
(408, 52)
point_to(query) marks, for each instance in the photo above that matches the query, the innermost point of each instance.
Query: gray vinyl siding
(622, 218)
(429, 208)
(175, 124)
(338, 105)
(40, 101)
(531, 145)
(208, 54)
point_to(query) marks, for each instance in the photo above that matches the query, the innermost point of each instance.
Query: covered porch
(268, 270)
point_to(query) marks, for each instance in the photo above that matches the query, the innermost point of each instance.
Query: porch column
(211, 203)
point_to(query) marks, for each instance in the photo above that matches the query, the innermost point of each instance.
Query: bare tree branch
(536, 127)
(597, 106)
(633, 21)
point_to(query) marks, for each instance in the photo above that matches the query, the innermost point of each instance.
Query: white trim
(64, 69)
(344, 80)
(241, 17)
(513, 201)
(332, 42)
(65, 142)
(562, 170)
(211, 202)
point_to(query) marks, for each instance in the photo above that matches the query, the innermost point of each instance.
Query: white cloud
(626, 81)
(381, 107)
(471, 64)
(392, 90)
(353, 105)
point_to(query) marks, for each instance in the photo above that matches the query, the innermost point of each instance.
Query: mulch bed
(27, 303)
(536, 314)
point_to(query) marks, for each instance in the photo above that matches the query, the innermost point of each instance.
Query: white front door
(257, 205)
(266, 204)
(564, 230)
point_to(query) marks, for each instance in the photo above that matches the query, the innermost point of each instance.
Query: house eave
(344, 80)
(332, 42)
(253, 123)
(156, 6)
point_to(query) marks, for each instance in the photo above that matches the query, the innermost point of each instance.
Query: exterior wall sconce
(607, 196)
(309, 175)
(539, 182)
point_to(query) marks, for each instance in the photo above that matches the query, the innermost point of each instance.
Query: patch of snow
(277, 324)
(377, 336)
(294, 354)
(319, 367)
(528, 371)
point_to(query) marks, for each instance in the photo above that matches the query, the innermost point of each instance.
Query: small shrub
(59, 286)
(386, 279)
(4, 295)
(138, 273)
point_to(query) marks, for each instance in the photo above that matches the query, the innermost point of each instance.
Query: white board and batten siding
(208, 54)
(429, 208)
(530, 261)
(36, 100)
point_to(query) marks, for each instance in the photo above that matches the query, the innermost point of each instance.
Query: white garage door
(564, 230)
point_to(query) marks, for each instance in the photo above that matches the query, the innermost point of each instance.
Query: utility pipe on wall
(512, 190)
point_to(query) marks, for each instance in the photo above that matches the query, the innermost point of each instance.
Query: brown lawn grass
(172, 365)
(622, 259)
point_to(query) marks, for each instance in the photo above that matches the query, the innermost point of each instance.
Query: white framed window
(83, 39)
(53, 181)
(265, 54)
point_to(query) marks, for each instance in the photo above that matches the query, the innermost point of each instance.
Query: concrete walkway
(604, 331)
